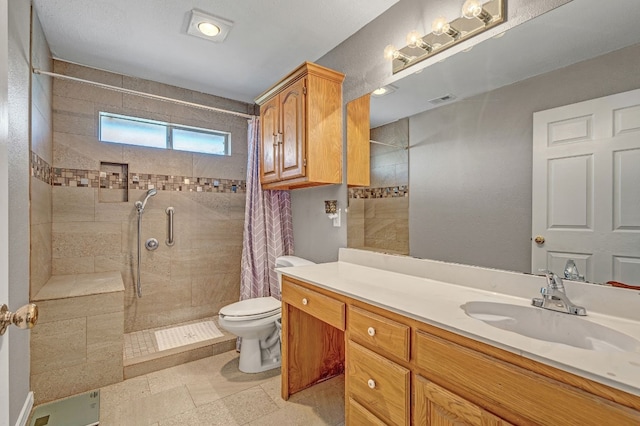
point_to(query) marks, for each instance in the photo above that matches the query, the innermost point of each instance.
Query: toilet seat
(251, 309)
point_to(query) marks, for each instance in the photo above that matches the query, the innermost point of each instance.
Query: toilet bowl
(255, 321)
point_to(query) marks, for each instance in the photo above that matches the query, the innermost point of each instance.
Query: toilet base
(256, 360)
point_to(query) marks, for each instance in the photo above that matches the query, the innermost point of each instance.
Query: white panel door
(4, 209)
(586, 188)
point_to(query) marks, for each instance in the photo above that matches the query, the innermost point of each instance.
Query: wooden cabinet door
(269, 133)
(293, 121)
(436, 406)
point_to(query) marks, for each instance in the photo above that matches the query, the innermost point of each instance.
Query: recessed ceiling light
(208, 27)
(384, 90)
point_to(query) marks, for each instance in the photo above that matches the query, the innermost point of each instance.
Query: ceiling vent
(442, 99)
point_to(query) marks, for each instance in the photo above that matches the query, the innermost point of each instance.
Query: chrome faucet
(554, 297)
(571, 271)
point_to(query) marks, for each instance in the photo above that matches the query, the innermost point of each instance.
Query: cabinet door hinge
(304, 90)
(304, 162)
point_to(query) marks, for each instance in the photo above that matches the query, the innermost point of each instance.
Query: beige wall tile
(59, 383)
(42, 131)
(79, 307)
(73, 204)
(73, 265)
(92, 74)
(105, 336)
(40, 256)
(213, 166)
(74, 123)
(158, 161)
(86, 92)
(82, 239)
(84, 152)
(216, 291)
(41, 202)
(117, 211)
(58, 344)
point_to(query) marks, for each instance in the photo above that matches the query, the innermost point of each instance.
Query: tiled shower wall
(379, 214)
(42, 155)
(200, 273)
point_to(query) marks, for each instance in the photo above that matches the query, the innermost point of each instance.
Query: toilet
(255, 321)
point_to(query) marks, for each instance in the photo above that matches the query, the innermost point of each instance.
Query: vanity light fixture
(208, 27)
(476, 17)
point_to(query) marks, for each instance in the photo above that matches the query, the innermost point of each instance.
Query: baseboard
(23, 418)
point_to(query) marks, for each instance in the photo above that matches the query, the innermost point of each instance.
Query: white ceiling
(147, 38)
(574, 32)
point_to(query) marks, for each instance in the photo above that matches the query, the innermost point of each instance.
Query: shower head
(140, 205)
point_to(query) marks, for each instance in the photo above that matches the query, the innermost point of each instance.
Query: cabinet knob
(305, 301)
(371, 331)
(371, 383)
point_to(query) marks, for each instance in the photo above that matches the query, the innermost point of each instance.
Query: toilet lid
(258, 307)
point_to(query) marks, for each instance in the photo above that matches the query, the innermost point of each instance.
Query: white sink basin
(543, 324)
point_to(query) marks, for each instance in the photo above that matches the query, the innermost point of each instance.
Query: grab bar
(170, 240)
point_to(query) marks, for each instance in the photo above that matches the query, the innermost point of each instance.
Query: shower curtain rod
(143, 94)
(388, 144)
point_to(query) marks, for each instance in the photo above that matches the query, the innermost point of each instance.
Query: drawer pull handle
(371, 383)
(305, 301)
(371, 331)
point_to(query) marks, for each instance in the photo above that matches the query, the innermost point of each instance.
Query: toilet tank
(284, 261)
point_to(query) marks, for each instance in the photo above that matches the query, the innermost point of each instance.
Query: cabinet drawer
(536, 398)
(324, 308)
(380, 385)
(378, 332)
(360, 416)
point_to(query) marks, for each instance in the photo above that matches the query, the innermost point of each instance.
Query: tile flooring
(212, 391)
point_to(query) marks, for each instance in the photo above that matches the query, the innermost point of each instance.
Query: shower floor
(142, 355)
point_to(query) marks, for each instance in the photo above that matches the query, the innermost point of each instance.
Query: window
(115, 128)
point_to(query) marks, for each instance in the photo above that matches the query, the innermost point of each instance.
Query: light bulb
(440, 26)
(208, 29)
(379, 91)
(471, 9)
(414, 39)
(390, 52)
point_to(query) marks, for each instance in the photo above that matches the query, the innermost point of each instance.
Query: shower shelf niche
(114, 178)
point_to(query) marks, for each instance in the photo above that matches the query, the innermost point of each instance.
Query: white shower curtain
(268, 229)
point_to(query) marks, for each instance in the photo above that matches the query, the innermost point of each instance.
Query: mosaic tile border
(40, 169)
(383, 192)
(112, 180)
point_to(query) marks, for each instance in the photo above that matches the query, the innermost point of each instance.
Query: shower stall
(92, 219)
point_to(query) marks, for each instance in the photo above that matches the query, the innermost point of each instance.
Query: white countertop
(439, 303)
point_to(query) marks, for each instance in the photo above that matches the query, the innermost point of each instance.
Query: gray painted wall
(18, 153)
(470, 163)
(360, 58)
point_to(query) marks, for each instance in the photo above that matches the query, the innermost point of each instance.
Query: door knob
(539, 239)
(25, 317)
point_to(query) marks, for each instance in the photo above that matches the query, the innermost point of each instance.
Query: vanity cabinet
(301, 129)
(401, 371)
(434, 405)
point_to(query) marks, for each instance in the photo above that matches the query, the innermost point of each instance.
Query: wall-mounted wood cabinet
(301, 129)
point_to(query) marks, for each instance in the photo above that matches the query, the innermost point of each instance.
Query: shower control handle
(151, 244)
